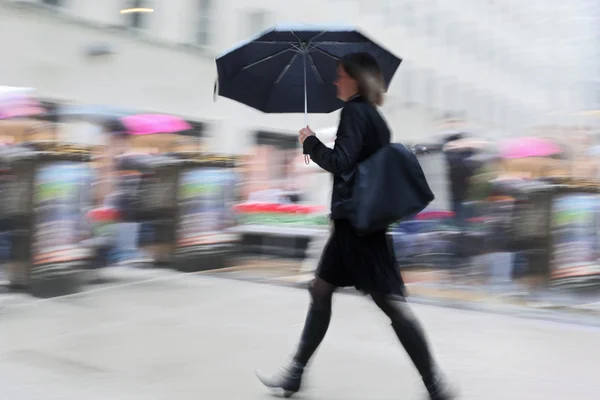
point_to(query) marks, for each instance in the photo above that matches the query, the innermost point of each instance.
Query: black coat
(460, 172)
(361, 132)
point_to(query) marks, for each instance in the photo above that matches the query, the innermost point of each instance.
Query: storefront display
(427, 240)
(575, 236)
(61, 199)
(281, 214)
(206, 194)
(205, 205)
(46, 204)
(270, 173)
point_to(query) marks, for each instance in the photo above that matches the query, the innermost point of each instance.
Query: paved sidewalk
(157, 334)
(425, 288)
(432, 287)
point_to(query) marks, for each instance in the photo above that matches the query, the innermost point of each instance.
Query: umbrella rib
(267, 58)
(326, 53)
(274, 42)
(294, 42)
(297, 37)
(316, 36)
(337, 43)
(285, 69)
(315, 69)
(283, 72)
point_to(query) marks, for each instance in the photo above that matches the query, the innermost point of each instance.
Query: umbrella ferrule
(304, 46)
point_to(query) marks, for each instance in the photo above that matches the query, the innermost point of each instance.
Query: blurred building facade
(589, 38)
(493, 63)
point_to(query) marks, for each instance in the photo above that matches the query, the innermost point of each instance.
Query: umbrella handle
(306, 156)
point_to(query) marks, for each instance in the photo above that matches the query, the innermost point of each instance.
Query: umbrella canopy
(126, 121)
(529, 147)
(145, 124)
(292, 68)
(19, 102)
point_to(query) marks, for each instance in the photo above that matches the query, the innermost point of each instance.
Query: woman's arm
(348, 143)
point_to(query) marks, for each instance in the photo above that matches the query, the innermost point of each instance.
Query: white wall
(48, 54)
(153, 71)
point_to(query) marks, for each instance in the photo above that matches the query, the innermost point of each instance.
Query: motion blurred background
(500, 100)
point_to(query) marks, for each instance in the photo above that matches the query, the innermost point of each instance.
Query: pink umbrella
(147, 124)
(529, 147)
(18, 102)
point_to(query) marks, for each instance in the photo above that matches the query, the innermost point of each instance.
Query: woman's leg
(317, 320)
(315, 328)
(412, 337)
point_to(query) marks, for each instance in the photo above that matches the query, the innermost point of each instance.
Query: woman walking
(365, 262)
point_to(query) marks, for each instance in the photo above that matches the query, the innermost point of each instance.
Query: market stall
(144, 198)
(281, 229)
(205, 193)
(575, 235)
(284, 202)
(46, 204)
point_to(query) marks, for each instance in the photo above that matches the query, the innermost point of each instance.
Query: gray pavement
(157, 335)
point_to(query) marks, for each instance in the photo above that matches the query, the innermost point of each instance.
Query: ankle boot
(440, 390)
(288, 380)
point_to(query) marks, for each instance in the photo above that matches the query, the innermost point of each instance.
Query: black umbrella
(291, 68)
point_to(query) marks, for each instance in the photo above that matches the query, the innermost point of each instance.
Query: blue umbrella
(291, 68)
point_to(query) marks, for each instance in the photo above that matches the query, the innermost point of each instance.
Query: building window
(445, 93)
(450, 33)
(255, 22)
(204, 22)
(458, 97)
(408, 14)
(54, 3)
(406, 78)
(429, 88)
(388, 10)
(138, 20)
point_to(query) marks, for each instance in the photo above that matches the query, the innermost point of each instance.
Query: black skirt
(366, 262)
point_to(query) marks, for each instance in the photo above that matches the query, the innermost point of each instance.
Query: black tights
(404, 323)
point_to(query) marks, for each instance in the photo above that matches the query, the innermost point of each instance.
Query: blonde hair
(364, 69)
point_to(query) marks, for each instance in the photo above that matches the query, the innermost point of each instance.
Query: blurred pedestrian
(460, 171)
(349, 259)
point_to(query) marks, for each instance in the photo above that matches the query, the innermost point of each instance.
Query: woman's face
(346, 85)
